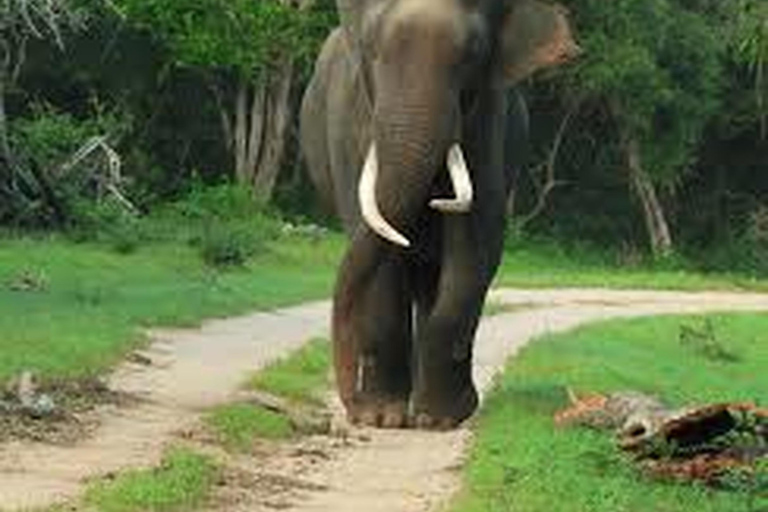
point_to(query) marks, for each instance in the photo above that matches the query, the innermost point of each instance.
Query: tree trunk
(262, 114)
(8, 193)
(256, 138)
(278, 108)
(259, 137)
(5, 147)
(653, 212)
(240, 146)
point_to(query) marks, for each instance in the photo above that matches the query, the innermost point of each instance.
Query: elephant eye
(476, 50)
(473, 56)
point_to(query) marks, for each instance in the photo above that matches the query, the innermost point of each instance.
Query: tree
(248, 51)
(751, 43)
(656, 68)
(21, 20)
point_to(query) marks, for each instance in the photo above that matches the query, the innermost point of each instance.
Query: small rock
(29, 281)
(139, 358)
(43, 406)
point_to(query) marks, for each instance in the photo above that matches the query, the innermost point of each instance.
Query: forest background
(652, 147)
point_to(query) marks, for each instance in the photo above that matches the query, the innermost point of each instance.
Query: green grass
(88, 304)
(92, 302)
(300, 377)
(182, 482)
(533, 264)
(237, 425)
(521, 462)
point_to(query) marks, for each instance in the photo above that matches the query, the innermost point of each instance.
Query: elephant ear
(535, 35)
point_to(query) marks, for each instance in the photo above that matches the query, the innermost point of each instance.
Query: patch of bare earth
(60, 412)
(344, 470)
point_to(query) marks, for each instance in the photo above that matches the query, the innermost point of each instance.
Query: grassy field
(545, 264)
(69, 309)
(521, 462)
(72, 308)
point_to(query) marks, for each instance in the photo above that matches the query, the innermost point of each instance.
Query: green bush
(106, 222)
(48, 183)
(229, 244)
(755, 241)
(225, 201)
(225, 222)
(747, 252)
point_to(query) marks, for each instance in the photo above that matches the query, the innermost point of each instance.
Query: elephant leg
(444, 393)
(373, 335)
(383, 321)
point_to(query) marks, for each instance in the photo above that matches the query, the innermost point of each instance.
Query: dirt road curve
(372, 470)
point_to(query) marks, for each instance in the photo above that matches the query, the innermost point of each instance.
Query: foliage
(511, 466)
(21, 189)
(44, 145)
(107, 222)
(225, 223)
(180, 483)
(658, 68)
(667, 74)
(223, 246)
(751, 47)
(684, 77)
(242, 35)
(22, 19)
(222, 202)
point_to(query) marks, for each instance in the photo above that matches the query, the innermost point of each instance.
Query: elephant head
(425, 62)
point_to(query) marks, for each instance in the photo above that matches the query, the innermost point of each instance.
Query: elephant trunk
(411, 143)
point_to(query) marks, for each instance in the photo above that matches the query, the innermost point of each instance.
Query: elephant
(405, 127)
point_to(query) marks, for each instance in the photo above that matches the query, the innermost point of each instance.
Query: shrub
(229, 244)
(225, 222)
(51, 181)
(107, 222)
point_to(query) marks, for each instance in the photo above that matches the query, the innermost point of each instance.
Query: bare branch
(548, 167)
(112, 179)
(21, 58)
(28, 20)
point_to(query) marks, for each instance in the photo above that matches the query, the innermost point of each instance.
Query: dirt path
(393, 471)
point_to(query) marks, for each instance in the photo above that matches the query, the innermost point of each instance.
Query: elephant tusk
(462, 184)
(369, 208)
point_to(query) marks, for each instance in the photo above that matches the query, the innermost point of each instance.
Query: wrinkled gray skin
(416, 76)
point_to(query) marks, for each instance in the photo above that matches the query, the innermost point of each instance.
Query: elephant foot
(378, 413)
(445, 412)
